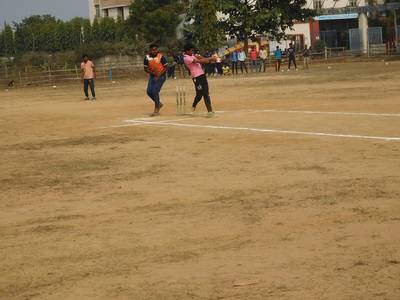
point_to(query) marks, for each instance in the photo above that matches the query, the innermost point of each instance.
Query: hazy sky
(15, 10)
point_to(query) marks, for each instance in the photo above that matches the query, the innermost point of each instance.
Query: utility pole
(82, 36)
(396, 32)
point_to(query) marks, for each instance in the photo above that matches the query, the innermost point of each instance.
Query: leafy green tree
(155, 20)
(250, 18)
(46, 41)
(87, 32)
(36, 33)
(120, 32)
(201, 24)
(8, 41)
(1, 44)
(95, 30)
(107, 30)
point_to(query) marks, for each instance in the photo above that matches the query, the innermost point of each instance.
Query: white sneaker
(210, 114)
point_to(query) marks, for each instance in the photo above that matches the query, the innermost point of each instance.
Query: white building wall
(304, 29)
(329, 3)
(126, 12)
(113, 13)
(298, 29)
(112, 10)
(339, 3)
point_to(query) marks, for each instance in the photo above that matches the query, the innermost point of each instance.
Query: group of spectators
(256, 60)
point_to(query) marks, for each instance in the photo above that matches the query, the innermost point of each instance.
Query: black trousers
(171, 71)
(292, 59)
(234, 67)
(278, 65)
(242, 65)
(218, 67)
(86, 83)
(209, 69)
(201, 85)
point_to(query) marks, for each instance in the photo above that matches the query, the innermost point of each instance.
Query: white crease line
(314, 112)
(118, 126)
(152, 120)
(265, 130)
(141, 121)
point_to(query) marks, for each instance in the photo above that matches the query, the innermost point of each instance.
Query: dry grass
(158, 212)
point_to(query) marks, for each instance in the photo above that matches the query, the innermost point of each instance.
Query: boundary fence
(29, 76)
(34, 76)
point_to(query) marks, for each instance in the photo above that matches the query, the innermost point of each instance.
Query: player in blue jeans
(155, 64)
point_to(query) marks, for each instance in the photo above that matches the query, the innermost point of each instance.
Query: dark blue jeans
(154, 87)
(86, 84)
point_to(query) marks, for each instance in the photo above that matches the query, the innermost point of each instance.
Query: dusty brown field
(161, 211)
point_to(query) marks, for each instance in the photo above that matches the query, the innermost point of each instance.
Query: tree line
(154, 21)
(47, 34)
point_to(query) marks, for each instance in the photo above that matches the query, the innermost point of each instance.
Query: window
(97, 7)
(352, 3)
(317, 4)
(105, 13)
(121, 13)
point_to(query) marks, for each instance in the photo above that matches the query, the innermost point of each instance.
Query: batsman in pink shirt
(193, 63)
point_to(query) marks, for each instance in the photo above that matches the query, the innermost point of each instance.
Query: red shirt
(253, 54)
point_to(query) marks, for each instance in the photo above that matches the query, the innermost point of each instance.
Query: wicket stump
(180, 98)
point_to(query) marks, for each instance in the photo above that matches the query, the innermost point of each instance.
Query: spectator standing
(254, 59)
(242, 60)
(171, 65)
(88, 76)
(307, 57)
(180, 64)
(210, 67)
(218, 63)
(263, 54)
(278, 59)
(234, 62)
(292, 56)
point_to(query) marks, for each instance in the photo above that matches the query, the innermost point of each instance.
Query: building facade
(339, 24)
(109, 8)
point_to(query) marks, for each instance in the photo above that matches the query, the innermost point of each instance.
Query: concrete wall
(111, 6)
(304, 29)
